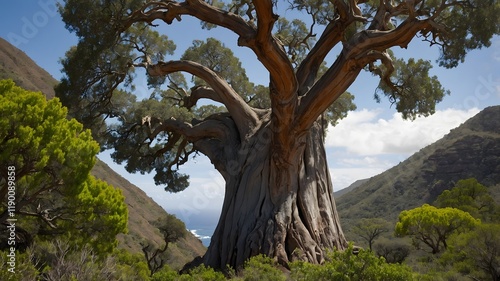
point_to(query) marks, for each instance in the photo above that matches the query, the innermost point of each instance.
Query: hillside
(142, 212)
(348, 189)
(16, 65)
(470, 150)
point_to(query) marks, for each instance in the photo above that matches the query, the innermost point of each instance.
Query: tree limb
(204, 129)
(200, 92)
(308, 69)
(244, 117)
(273, 55)
(357, 53)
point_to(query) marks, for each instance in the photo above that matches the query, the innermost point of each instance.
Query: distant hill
(354, 185)
(16, 65)
(470, 150)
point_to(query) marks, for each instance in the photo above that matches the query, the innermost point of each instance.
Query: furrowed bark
(299, 224)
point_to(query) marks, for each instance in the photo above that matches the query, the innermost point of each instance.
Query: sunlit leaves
(100, 214)
(53, 157)
(38, 140)
(433, 226)
(470, 196)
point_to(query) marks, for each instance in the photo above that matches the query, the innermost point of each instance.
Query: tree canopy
(52, 158)
(472, 197)
(116, 39)
(433, 226)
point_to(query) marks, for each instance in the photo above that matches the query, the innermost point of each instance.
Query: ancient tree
(265, 140)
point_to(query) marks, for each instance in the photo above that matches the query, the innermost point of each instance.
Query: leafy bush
(262, 268)
(165, 274)
(347, 266)
(202, 273)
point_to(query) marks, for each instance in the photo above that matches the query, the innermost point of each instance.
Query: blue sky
(369, 141)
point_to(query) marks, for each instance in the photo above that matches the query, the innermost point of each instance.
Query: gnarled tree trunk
(284, 211)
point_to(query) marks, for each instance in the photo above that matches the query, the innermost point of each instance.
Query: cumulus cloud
(365, 132)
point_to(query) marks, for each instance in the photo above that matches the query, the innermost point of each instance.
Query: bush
(165, 274)
(262, 268)
(202, 273)
(346, 266)
(393, 251)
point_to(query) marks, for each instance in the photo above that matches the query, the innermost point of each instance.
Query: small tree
(393, 251)
(371, 229)
(433, 226)
(470, 196)
(45, 160)
(172, 230)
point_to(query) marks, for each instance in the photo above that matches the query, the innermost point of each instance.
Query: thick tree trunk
(285, 211)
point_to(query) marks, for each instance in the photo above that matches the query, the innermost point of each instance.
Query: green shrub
(165, 274)
(347, 266)
(262, 268)
(202, 273)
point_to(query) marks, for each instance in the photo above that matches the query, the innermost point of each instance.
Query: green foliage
(408, 78)
(202, 273)
(172, 230)
(472, 197)
(39, 141)
(476, 253)
(130, 266)
(393, 250)
(349, 267)
(100, 214)
(263, 268)
(214, 55)
(165, 274)
(433, 226)
(295, 37)
(470, 26)
(52, 157)
(24, 267)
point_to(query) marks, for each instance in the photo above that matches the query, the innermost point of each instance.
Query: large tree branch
(167, 11)
(308, 69)
(211, 129)
(244, 117)
(272, 54)
(365, 47)
(268, 50)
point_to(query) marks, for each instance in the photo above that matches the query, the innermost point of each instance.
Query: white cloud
(365, 133)
(343, 177)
